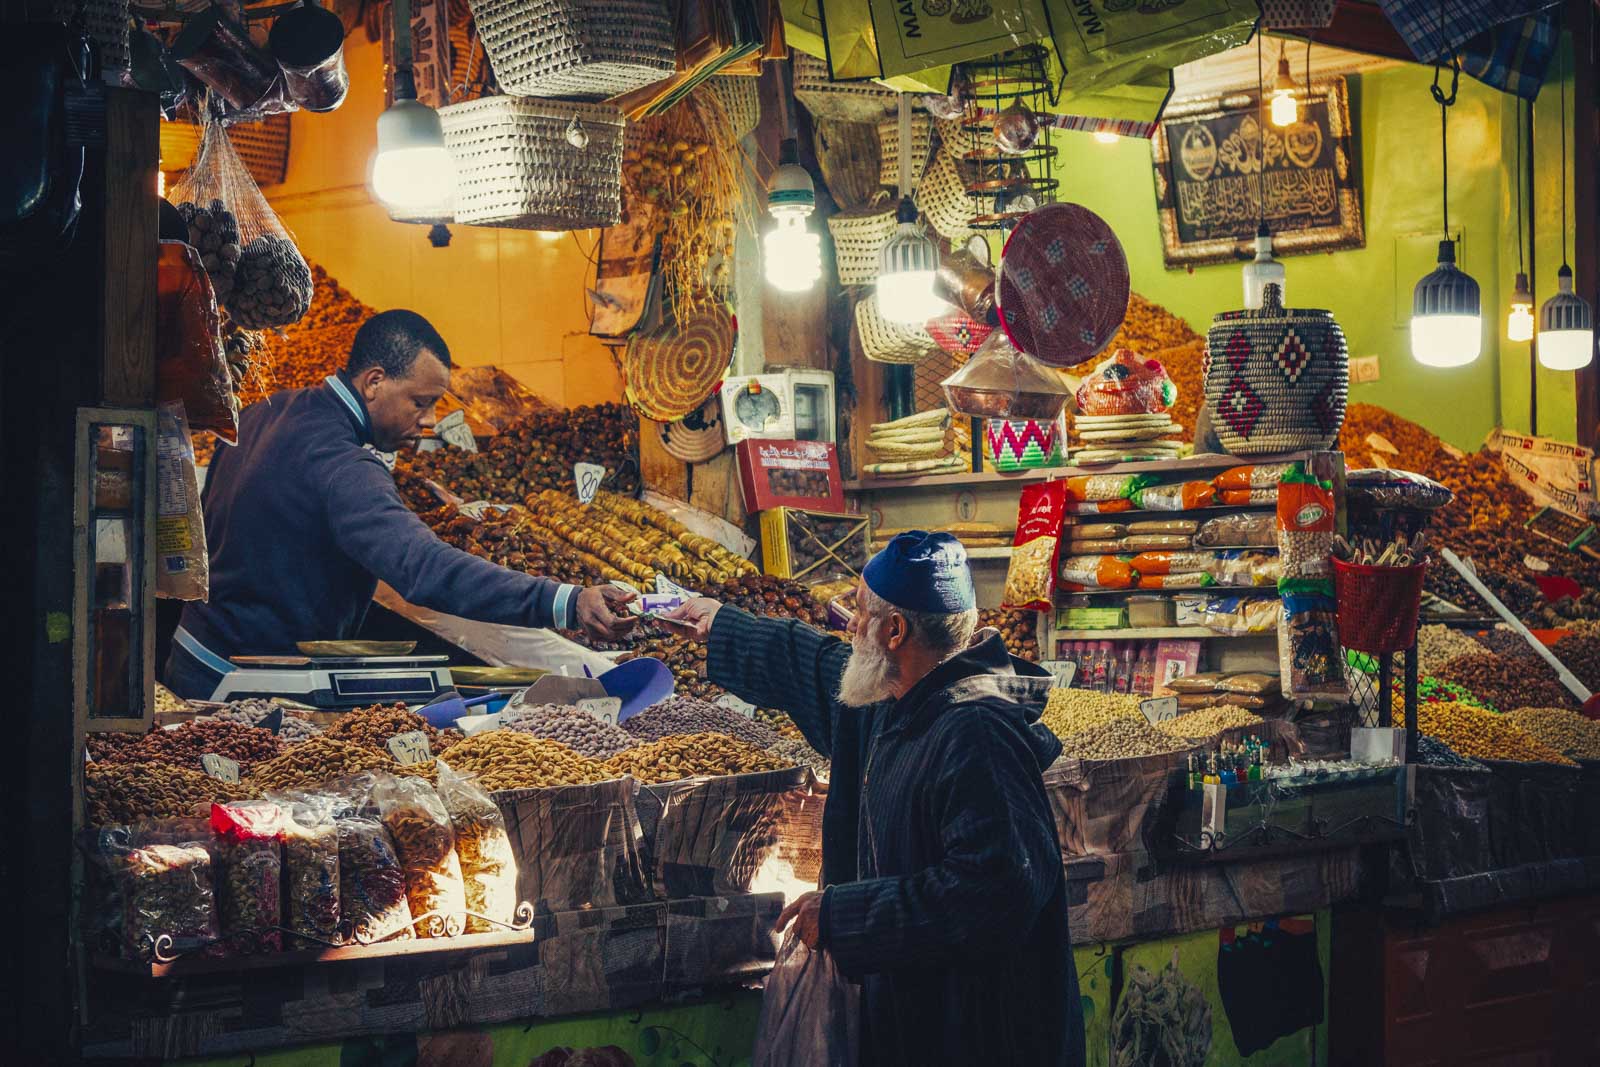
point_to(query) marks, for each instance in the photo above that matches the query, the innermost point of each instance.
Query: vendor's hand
(806, 912)
(691, 619)
(602, 612)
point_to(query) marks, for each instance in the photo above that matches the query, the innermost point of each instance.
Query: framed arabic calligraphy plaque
(1210, 179)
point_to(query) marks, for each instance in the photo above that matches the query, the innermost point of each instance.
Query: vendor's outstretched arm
(779, 663)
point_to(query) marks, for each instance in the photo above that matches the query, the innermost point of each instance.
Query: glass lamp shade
(1446, 316)
(1285, 111)
(792, 255)
(412, 173)
(1566, 327)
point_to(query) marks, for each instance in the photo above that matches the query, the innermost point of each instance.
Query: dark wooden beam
(1581, 23)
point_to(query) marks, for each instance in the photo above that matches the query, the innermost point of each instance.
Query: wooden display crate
(797, 543)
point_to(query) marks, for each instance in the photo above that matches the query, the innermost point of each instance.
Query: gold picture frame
(1207, 199)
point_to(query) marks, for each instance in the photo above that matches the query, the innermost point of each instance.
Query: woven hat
(697, 436)
(858, 237)
(1063, 288)
(883, 341)
(670, 371)
(827, 99)
(591, 49)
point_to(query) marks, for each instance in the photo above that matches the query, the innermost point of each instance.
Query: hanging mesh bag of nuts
(257, 272)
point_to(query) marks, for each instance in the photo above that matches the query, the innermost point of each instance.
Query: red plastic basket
(1378, 606)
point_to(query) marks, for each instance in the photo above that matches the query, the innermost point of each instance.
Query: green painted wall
(1369, 289)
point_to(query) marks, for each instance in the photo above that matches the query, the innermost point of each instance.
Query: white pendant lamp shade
(907, 264)
(1446, 315)
(412, 173)
(792, 252)
(1566, 327)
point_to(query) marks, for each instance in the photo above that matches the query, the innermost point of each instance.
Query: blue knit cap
(921, 571)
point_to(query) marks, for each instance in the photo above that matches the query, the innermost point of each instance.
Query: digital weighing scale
(331, 682)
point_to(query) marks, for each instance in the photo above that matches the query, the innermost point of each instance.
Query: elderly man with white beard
(944, 895)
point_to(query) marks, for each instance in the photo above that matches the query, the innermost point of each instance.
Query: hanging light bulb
(1566, 323)
(412, 173)
(1566, 327)
(1519, 323)
(1105, 137)
(1446, 317)
(1446, 313)
(793, 254)
(1285, 111)
(906, 268)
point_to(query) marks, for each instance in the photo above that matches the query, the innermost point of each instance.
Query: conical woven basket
(921, 150)
(740, 99)
(845, 101)
(858, 236)
(883, 341)
(943, 198)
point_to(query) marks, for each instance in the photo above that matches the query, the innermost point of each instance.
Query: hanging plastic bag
(183, 571)
(191, 366)
(258, 273)
(810, 1013)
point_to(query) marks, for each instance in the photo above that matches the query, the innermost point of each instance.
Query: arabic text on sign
(411, 747)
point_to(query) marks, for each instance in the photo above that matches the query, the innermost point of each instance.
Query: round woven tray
(671, 370)
(697, 436)
(1064, 284)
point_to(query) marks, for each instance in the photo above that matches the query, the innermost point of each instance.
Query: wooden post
(128, 347)
(1581, 22)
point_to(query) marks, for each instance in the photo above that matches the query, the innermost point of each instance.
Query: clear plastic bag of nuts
(488, 865)
(311, 868)
(248, 848)
(258, 274)
(425, 842)
(158, 874)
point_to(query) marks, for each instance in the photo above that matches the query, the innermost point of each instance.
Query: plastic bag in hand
(810, 1013)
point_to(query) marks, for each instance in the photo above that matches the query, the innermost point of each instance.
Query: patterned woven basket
(846, 101)
(586, 49)
(106, 23)
(943, 198)
(740, 98)
(883, 341)
(889, 157)
(263, 146)
(1296, 14)
(696, 437)
(516, 168)
(1276, 380)
(857, 238)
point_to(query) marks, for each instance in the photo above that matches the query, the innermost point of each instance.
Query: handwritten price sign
(411, 747)
(452, 429)
(1159, 709)
(587, 477)
(220, 767)
(606, 709)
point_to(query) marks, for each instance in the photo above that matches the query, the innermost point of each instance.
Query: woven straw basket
(889, 158)
(586, 49)
(845, 101)
(883, 341)
(943, 198)
(857, 238)
(515, 167)
(740, 98)
(106, 23)
(1276, 379)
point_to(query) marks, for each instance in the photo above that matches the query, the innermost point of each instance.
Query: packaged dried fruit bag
(1101, 488)
(425, 841)
(488, 865)
(311, 869)
(1306, 524)
(183, 567)
(1184, 496)
(1030, 577)
(249, 837)
(1097, 572)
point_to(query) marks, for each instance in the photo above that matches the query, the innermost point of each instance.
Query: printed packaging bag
(1031, 576)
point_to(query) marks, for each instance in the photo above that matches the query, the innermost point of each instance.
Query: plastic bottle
(1103, 669)
(1125, 668)
(1144, 669)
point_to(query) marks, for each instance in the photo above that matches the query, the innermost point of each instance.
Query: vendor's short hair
(945, 634)
(393, 340)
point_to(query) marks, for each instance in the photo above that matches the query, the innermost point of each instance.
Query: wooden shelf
(989, 553)
(1145, 633)
(197, 965)
(927, 481)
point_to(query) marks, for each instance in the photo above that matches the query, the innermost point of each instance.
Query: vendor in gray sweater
(303, 520)
(944, 894)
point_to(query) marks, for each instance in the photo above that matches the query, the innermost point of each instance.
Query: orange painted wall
(505, 297)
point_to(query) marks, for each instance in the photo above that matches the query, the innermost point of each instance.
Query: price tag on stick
(1062, 672)
(1159, 709)
(453, 430)
(410, 747)
(221, 768)
(587, 477)
(606, 709)
(733, 703)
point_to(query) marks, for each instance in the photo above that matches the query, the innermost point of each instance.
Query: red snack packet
(1031, 575)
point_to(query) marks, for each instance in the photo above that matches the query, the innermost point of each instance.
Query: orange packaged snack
(1098, 572)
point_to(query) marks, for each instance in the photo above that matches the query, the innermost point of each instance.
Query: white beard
(868, 672)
